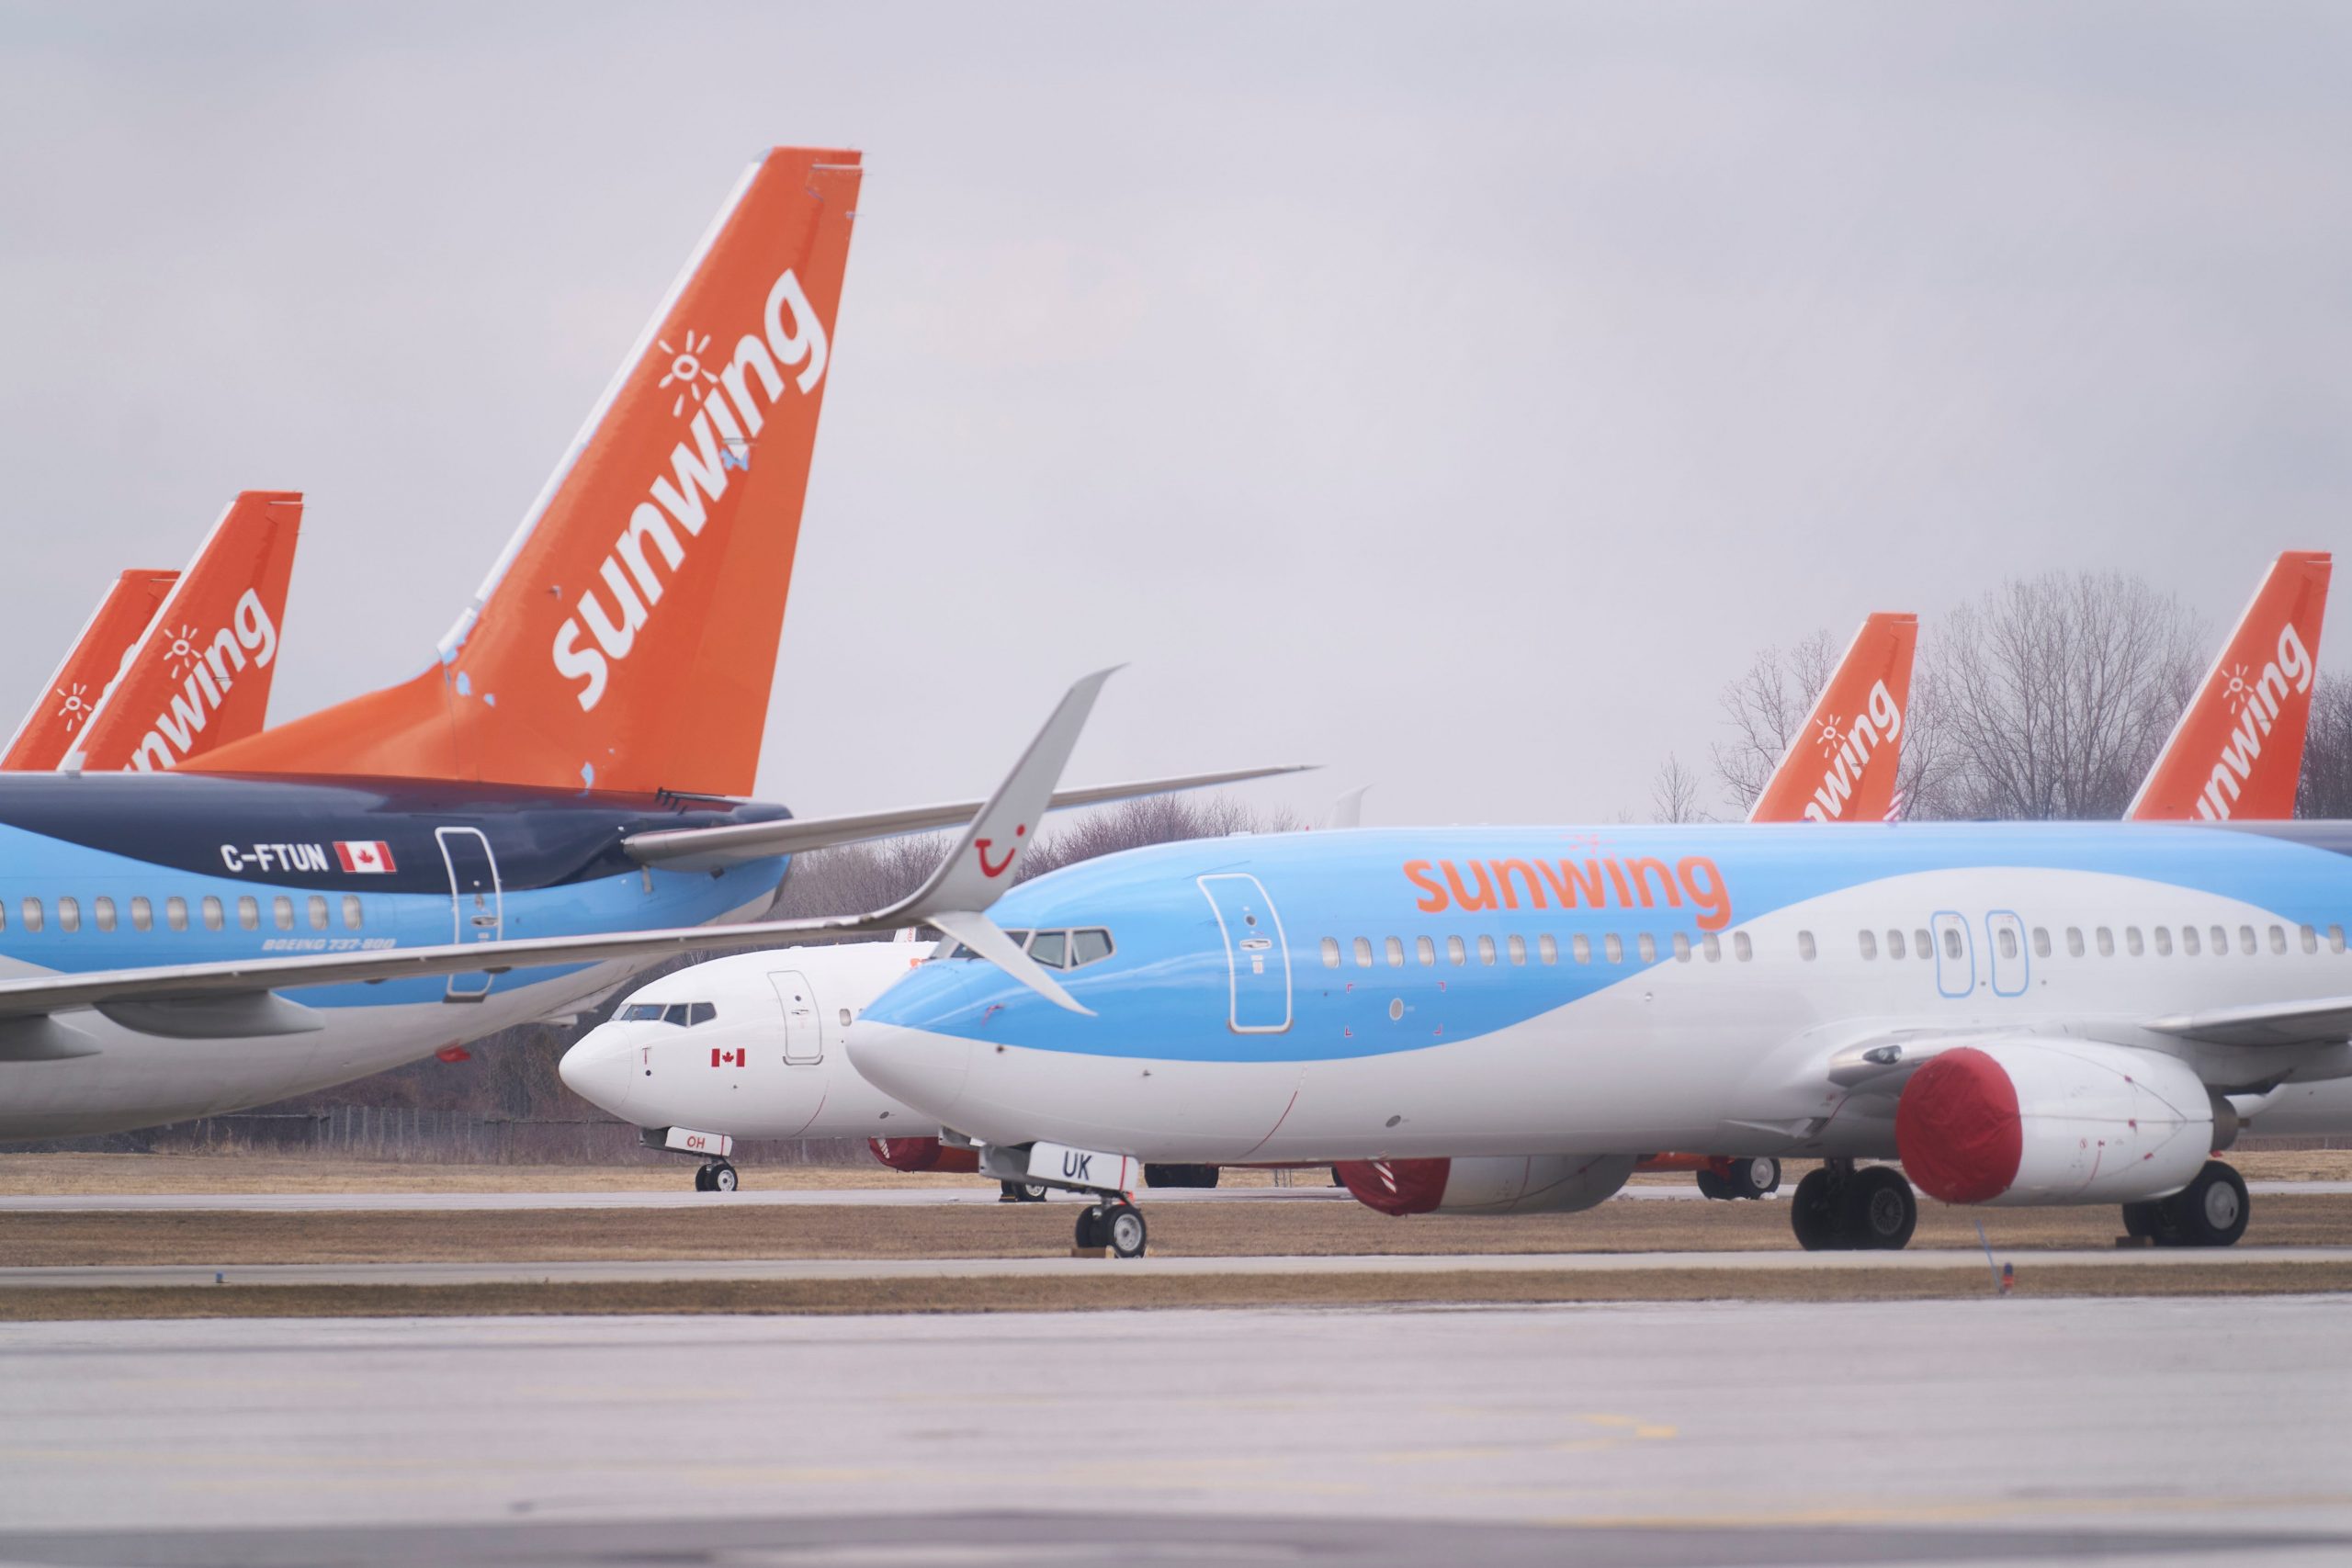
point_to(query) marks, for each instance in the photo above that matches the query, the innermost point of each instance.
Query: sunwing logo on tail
(2257, 701)
(725, 421)
(73, 704)
(208, 669)
(1848, 749)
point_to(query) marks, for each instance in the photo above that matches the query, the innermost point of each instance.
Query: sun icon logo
(183, 652)
(686, 369)
(74, 706)
(2237, 689)
(1830, 737)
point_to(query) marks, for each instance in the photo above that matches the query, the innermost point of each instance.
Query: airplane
(2018, 1013)
(555, 801)
(71, 693)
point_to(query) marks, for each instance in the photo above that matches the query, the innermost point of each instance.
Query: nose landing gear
(1117, 1225)
(714, 1176)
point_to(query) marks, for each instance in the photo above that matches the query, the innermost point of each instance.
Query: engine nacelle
(923, 1154)
(2052, 1121)
(1516, 1184)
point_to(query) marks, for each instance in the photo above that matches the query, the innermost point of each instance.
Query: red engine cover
(923, 1154)
(1396, 1186)
(1957, 1128)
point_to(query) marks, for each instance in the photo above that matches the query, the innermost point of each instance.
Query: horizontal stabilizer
(710, 849)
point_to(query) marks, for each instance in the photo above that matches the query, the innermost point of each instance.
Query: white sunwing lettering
(696, 481)
(1880, 723)
(2287, 675)
(209, 683)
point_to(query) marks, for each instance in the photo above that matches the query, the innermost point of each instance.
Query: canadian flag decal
(371, 856)
(720, 1058)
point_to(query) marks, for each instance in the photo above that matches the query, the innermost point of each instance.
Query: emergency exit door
(477, 905)
(1257, 956)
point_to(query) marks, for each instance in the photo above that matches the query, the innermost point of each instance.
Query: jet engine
(2052, 1121)
(1516, 1184)
(923, 1154)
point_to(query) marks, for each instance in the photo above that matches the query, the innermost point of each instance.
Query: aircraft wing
(708, 849)
(2326, 1021)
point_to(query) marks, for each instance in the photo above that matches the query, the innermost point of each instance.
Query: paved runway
(1776, 1260)
(2004, 1431)
(686, 1198)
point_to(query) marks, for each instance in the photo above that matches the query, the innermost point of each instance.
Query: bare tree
(2325, 789)
(2052, 695)
(1673, 794)
(1765, 708)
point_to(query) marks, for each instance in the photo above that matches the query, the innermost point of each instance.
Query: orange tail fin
(199, 677)
(627, 638)
(1841, 765)
(2238, 749)
(97, 657)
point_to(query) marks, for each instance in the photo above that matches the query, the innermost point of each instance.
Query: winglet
(2238, 749)
(1842, 762)
(979, 869)
(1347, 810)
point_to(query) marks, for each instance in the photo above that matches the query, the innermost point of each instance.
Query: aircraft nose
(601, 1070)
(912, 1065)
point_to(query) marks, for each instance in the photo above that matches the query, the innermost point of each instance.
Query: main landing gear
(1020, 1191)
(2212, 1211)
(1741, 1179)
(1117, 1225)
(714, 1176)
(1842, 1209)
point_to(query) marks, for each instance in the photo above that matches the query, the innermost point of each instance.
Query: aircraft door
(1955, 955)
(2005, 942)
(1257, 956)
(477, 903)
(804, 1041)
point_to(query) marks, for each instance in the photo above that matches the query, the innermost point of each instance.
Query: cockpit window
(1087, 946)
(676, 1013)
(641, 1012)
(1051, 949)
(700, 1012)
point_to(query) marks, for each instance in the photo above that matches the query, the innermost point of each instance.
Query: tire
(702, 1179)
(1813, 1214)
(1011, 1192)
(2141, 1219)
(1754, 1177)
(1714, 1186)
(1881, 1212)
(2212, 1211)
(1179, 1176)
(1031, 1193)
(1123, 1230)
(1092, 1231)
(722, 1178)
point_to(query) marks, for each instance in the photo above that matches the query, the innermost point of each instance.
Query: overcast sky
(1455, 396)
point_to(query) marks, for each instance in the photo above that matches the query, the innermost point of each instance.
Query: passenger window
(1681, 948)
(2221, 941)
(32, 914)
(1951, 943)
(102, 912)
(1741, 948)
(2163, 941)
(1547, 949)
(1396, 953)
(1868, 945)
(2245, 940)
(2106, 942)
(2006, 939)
(281, 912)
(1804, 946)
(1425, 951)
(318, 911)
(2277, 939)
(1919, 944)
(248, 913)
(1089, 946)
(2041, 941)
(1518, 946)
(1330, 953)
(352, 912)
(1714, 947)
(1364, 954)
(1051, 950)
(1453, 952)
(1580, 948)
(2189, 942)
(214, 918)
(142, 915)
(1895, 944)
(1613, 947)
(1485, 950)
(2073, 941)
(2311, 940)
(2131, 943)
(69, 914)
(2335, 938)
(176, 912)
(844, 1015)
(703, 1012)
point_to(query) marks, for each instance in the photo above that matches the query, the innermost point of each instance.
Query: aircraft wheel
(1754, 1177)
(702, 1179)
(1123, 1230)
(1031, 1193)
(2210, 1212)
(723, 1177)
(1813, 1214)
(1710, 1185)
(1881, 1213)
(1093, 1228)
(2141, 1219)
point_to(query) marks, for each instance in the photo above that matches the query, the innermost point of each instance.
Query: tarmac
(2012, 1431)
